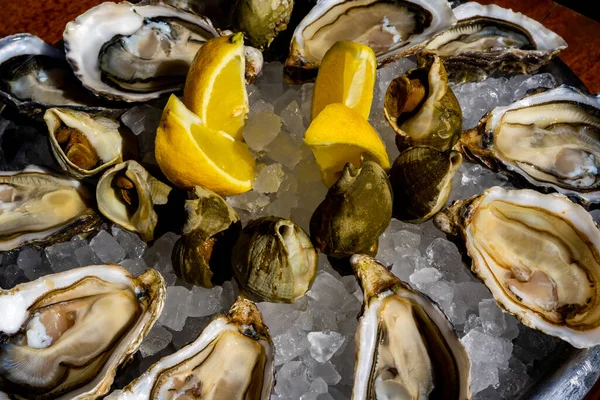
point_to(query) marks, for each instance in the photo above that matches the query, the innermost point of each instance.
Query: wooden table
(47, 19)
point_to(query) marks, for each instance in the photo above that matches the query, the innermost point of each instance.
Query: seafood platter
(297, 200)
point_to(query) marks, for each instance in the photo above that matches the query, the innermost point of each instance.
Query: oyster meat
(274, 260)
(406, 347)
(539, 255)
(35, 75)
(83, 144)
(66, 334)
(489, 38)
(550, 140)
(134, 52)
(422, 108)
(41, 208)
(393, 29)
(231, 359)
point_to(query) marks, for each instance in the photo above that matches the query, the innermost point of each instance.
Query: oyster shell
(34, 75)
(262, 20)
(355, 211)
(489, 38)
(231, 359)
(421, 107)
(67, 333)
(202, 255)
(83, 145)
(394, 29)
(421, 179)
(134, 52)
(274, 260)
(406, 347)
(539, 255)
(550, 140)
(41, 208)
(129, 196)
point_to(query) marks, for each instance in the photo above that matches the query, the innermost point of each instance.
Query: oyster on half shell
(393, 29)
(406, 348)
(231, 359)
(549, 140)
(539, 255)
(489, 38)
(66, 334)
(41, 208)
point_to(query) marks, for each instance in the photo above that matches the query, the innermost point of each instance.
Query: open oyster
(421, 179)
(41, 208)
(550, 140)
(539, 255)
(489, 38)
(421, 107)
(35, 75)
(274, 260)
(66, 334)
(128, 195)
(394, 29)
(202, 255)
(134, 52)
(231, 359)
(83, 144)
(406, 347)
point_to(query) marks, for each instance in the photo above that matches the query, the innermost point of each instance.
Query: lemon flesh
(190, 153)
(215, 88)
(346, 75)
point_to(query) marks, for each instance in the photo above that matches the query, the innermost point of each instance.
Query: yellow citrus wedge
(346, 75)
(190, 154)
(215, 88)
(339, 135)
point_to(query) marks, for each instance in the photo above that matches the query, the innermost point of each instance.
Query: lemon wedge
(190, 153)
(215, 88)
(346, 75)
(339, 135)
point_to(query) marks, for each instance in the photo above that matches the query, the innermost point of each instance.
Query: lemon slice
(339, 135)
(346, 75)
(190, 154)
(215, 88)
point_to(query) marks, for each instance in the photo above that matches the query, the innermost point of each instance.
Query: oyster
(41, 208)
(82, 144)
(66, 334)
(202, 256)
(129, 196)
(421, 107)
(355, 211)
(274, 260)
(539, 255)
(406, 348)
(489, 38)
(34, 75)
(262, 20)
(394, 29)
(421, 179)
(550, 140)
(231, 359)
(134, 52)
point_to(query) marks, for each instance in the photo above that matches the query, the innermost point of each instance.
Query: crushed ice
(314, 337)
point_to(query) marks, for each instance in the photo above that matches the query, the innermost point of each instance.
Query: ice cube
(279, 317)
(10, 275)
(133, 245)
(292, 119)
(406, 239)
(289, 345)
(107, 248)
(158, 338)
(486, 349)
(141, 119)
(285, 149)
(61, 256)
(291, 380)
(251, 201)
(323, 345)
(205, 302)
(30, 262)
(317, 386)
(269, 179)
(444, 256)
(261, 129)
(492, 317)
(177, 307)
(425, 275)
(135, 266)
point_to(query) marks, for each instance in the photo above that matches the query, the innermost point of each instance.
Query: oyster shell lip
(299, 68)
(88, 221)
(21, 297)
(95, 27)
(456, 220)
(478, 144)
(548, 43)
